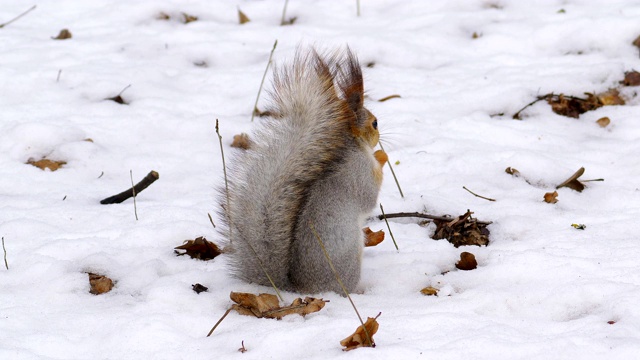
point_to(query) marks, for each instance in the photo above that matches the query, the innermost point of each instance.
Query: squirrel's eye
(375, 124)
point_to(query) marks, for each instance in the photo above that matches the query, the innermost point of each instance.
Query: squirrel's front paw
(381, 156)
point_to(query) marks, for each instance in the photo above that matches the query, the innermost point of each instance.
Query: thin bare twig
(284, 12)
(18, 17)
(335, 272)
(219, 321)
(143, 184)
(264, 76)
(389, 227)
(133, 190)
(424, 216)
(476, 195)
(6, 264)
(393, 173)
(211, 220)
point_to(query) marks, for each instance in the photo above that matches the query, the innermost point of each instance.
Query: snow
(542, 289)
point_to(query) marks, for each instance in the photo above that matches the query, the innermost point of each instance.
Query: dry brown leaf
(573, 106)
(163, 16)
(200, 248)
(372, 238)
(241, 141)
(198, 288)
(362, 338)
(467, 261)
(462, 230)
(610, 97)
(429, 291)
(551, 198)
(572, 182)
(242, 18)
(63, 35)
(52, 165)
(100, 284)
(636, 42)
(603, 121)
(268, 306)
(512, 171)
(118, 99)
(631, 78)
(186, 18)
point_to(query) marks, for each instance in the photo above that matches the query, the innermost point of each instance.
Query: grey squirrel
(312, 164)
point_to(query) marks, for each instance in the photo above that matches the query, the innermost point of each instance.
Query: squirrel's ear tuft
(350, 81)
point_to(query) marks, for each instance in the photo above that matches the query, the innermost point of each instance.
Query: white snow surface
(542, 290)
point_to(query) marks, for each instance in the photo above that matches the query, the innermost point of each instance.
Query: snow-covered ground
(542, 290)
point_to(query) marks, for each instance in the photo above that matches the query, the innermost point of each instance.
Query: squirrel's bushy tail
(268, 183)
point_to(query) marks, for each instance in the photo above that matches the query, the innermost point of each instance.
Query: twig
(58, 77)
(133, 190)
(424, 216)
(143, 184)
(219, 321)
(389, 227)
(264, 76)
(18, 17)
(284, 12)
(335, 272)
(591, 180)
(516, 116)
(480, 196)
(6, 264)
(211, 220)
(393, 173)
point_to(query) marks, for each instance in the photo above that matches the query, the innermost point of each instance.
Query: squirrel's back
(282, 178)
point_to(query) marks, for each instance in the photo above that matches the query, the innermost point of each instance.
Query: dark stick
(424, 216)
(516, 116)
(476, 195)
(17, 17)
(6, 264)
(143, 184)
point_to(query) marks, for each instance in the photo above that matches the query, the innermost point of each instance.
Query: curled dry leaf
(100, 284)
(572, 106)
(372, 238)
(362, 338)
(63, 35)
(603, 121)
(467, 261)
(512, 171)
(551, 198)
(579, 226)
(200, 248)
(268, 306)
(462, 230)
(241, 141)
(52, 165)
(429, 291)
(572, 182)
(631, 78)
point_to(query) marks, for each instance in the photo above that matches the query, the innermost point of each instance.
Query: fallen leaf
(572, 106)
(579, 226)
(372, 238)
(551, 198)
(186, 18)
(631, 78)
(200, 248)
(63, 35)
(611, 322)
(362, 338)
(610, 97)
(512, 171)
(198, 288)
(242, 18)
(572, 182)
(241, 141)
(636, 42)
(467, 261)
(268, 306)
(603, 121)
(100, 284)
(52, 165)
(163, 16)
(429, 291)
(118, 99)
(462, 230)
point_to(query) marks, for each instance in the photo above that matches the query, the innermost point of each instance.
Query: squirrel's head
(366, 128)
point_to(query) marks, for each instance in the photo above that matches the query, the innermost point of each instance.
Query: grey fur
(304, 167)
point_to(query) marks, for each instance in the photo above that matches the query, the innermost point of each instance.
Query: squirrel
(310, 171)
